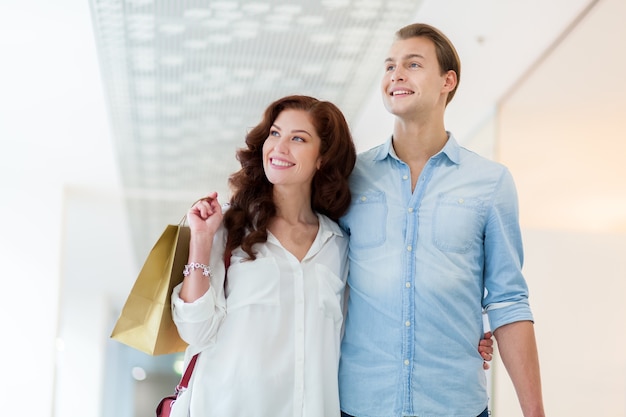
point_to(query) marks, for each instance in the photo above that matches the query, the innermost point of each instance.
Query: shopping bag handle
(184, 218)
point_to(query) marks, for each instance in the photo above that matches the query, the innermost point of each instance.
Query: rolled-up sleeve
(506, 300)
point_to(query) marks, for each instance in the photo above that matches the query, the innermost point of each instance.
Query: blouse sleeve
(197, 322)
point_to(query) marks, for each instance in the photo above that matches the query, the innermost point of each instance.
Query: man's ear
(450, 81)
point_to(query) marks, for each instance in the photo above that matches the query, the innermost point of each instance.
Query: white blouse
(270, 344)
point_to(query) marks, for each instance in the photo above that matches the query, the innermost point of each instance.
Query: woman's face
(291, 152)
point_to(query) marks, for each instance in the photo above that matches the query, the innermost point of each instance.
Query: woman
(269, 339)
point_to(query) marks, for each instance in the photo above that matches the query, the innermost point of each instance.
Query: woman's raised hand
(205, 216)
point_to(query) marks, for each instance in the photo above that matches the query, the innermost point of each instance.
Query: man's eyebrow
(405, 57)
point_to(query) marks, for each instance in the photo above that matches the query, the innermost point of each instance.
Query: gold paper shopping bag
(145, 322)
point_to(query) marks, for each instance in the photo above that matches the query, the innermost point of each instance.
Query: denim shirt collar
(451, 150)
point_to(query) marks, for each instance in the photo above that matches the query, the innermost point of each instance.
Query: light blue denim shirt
(423, 266)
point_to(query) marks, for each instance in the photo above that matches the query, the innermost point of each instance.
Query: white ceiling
(185, 79)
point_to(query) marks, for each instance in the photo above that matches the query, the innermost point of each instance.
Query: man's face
(412, 84)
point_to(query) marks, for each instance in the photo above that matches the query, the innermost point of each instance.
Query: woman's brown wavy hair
(252, 205)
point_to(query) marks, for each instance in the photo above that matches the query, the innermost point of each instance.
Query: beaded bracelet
(206, 269)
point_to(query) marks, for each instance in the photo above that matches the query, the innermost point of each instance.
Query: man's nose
(397, 75)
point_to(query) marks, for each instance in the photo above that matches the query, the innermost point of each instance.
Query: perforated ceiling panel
(186, 79)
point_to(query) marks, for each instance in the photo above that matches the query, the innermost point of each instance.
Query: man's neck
(415, 142)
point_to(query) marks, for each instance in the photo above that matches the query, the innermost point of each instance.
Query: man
(434, 240)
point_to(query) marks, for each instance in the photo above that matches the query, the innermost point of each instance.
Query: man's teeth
(398, 93)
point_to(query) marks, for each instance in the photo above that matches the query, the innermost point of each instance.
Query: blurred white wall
(53, 132)
(562, 132)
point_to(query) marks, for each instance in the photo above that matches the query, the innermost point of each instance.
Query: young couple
(429, 238)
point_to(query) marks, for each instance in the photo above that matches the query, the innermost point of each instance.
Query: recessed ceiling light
(216, 24)
(256, 8)
(289, 9)
(171, 111)
(322, 38)
(145, 87)
(147, 131)
(335, 4)
(194, 44)
(311, 20)
(223, 5)
(312, 69)
(219, 39)
(364, 14)
(244, 73)
(139, 2)
(172, 28)
(171, 87)
(172, 60)
(197, 13)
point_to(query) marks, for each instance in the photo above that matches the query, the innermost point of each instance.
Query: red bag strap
(184, 381)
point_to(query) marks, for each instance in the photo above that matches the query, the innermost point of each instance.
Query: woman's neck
(294, 207)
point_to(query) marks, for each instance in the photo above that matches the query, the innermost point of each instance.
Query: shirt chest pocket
(367, 220)
(457, 223)
(330, 293)
(253, 282)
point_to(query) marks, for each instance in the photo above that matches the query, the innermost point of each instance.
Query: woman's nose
(281, 145)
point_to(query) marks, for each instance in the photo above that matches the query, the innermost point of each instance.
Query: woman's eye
(274, 133)
(298, 139)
